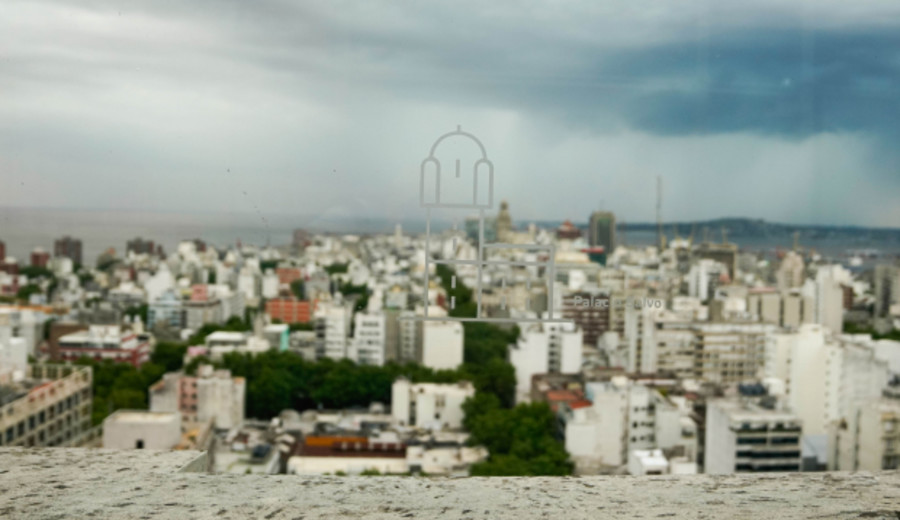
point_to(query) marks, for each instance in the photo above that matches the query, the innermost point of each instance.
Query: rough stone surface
(72, 483)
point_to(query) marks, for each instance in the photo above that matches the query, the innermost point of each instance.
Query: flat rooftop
(141, 416)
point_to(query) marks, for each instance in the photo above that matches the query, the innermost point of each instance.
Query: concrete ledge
(73, 483)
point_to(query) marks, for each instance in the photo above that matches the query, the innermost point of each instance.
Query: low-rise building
(105, 342)
(429, 405)
(210, 395)
(140, 429)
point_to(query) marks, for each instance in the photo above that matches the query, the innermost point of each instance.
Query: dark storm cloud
(176, 93)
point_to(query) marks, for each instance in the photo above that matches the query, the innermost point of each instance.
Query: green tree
(138, 311)
(26, 291)
(337, 268)
(298, 287)
(169, 355)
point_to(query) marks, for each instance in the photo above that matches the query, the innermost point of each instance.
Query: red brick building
(290, 310)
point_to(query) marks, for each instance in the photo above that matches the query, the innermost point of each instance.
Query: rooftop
(141, 416)
(81, 483)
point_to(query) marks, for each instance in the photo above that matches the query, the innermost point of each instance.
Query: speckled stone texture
(74, 483)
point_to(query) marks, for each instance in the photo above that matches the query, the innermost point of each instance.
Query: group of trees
(521, 439)
(122, 386)
(283, 380)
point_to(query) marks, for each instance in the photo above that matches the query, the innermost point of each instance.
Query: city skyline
(773, 111)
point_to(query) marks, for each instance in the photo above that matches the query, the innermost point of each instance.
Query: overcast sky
(782, 110)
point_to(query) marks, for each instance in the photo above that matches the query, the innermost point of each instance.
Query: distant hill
(758, 228)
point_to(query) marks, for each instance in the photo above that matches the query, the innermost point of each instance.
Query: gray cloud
(327, 107)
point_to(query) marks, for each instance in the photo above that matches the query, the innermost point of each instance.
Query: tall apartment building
(602, 230)
(728, 353)
(787, 309)
(545, 348)
(210, 395)
(640, 338)
(51, 406)
(886, 289)
(68, 247)
(332, 326)
(714, 352)
(743, 437)
(591, 312)
(368, 345)
(675, 348)
(867, 440)
(826, 377)
(830, 296)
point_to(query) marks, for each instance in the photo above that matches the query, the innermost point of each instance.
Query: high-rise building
(827, 378)
(887, 289)
(368, 345)
(68, 247)
(830, 296)
(2, 251)
(591, 313)
(602, 232)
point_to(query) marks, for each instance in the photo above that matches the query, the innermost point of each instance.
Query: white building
(868, 440)
(332, 322)
(640, 338)
(826, 377)
(647, 462)
(270, 284)
(544, 348)
(368, 346)
(13, 355)
(742, 437)
(830, 296)
(626, 416)
(210, 395)
(223, 342)
(442, 344)
(140, 429)
(429, 405)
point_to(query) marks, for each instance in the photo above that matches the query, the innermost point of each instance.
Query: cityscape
(313, 358)
(317, 259)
